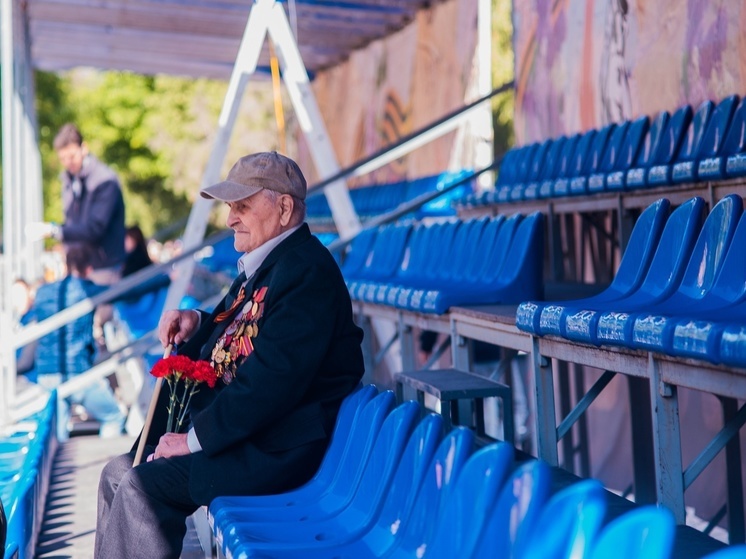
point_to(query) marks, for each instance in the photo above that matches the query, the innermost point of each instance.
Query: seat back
(524, 166)
(404, 489)
(552, 158)
(641, 247)
(468, 251)
(357, 252)
(384, 458)
(519, 504)
(434, 492)
(633, 143)
(565, 162)
(717, 128)
(581, 156)
(598, 148)
(673, 251)
(735, 141)
(349, 411)
(695, 131)
(643, 533)
(508, 168)
(486, 243)
(523, 266)
(711, 246)
(495, 256)
(729, 285)
(568, 524)
(474, 496)
(458, 251)
(672, 137)
(415, 253)
(613, 150)
(362, 438)
(652, 140)
(440, 249)
(538, 163)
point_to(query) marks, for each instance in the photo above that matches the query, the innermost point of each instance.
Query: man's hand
(177, 326)
(170, 445)
(37, 230)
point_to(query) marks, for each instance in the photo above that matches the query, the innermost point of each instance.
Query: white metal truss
(267, 18)
(21, 180)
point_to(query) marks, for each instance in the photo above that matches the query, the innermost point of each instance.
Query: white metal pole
(295, 76)
(246, 61)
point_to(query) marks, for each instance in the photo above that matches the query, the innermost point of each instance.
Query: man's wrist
(56, 230)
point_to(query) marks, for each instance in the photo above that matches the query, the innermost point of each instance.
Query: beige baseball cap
(252, 173)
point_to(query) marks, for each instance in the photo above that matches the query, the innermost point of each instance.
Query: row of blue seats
(688, 146)
(392, 485)
(431, 267)
(26, 458)
(376, 199)
(680, 288)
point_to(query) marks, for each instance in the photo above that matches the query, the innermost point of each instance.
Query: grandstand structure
(603, 267)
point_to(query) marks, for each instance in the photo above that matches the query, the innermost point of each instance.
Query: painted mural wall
(581, 64)
(396, 86)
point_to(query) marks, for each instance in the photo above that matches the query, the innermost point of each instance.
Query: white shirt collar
(249, 263)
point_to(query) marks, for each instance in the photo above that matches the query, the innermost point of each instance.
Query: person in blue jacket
(71, 349)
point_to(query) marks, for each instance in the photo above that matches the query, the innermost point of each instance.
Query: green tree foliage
(156, 132)
(502, 71)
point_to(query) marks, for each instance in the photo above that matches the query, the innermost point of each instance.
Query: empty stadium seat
(611, 155)
(547, 317)
(734, 149)
(563, 167)
(634, 142)
(577, 164)
(707, 164)
(568, 523)
(643, 533)
(313, 525)
(684, 128)
(703, 263)
(636, 176)
(593, 159)
(459, 529)
(522, 498)
(655, 331)
(663, 276)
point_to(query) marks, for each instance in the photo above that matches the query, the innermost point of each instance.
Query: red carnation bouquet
(184, 376)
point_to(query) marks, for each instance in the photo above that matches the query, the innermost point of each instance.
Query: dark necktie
(236, 295)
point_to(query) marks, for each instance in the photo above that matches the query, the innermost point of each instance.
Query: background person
(287, 352)
(71, 349)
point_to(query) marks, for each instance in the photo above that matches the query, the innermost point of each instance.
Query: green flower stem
(171, 404)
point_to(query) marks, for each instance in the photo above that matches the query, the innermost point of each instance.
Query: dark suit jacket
(267, 430)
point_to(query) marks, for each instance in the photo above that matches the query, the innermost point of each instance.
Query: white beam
(299, 89)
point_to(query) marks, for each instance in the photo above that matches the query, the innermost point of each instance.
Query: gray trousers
(142, 511)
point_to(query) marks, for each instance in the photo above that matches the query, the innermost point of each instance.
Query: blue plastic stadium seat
(336, 479)
(548, 171)
(577, 165)
(683, 130)
(509, 526)
(504, 192)
(344, 529)
(684, 167)
(312, 525)
(548, 317)
(563, 167)
(568, 524)
(731, 552)
(520, 278)
(382, 261)
(734, 148)
(459, 529)
(703, 264)
(406, 517)
(616, 179)
(662, 279)
(610, 160)
(534, 171)
(655, 330)
(643, 533)
(579, 183)
(710, 163)
(636, 177)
